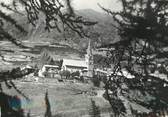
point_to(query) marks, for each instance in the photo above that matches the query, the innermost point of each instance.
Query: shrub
(94, 111)
(65, 73)
(74, 74)
(96, 81)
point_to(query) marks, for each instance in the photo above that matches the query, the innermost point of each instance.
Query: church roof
(89, 49)
(53, 66)
(74, 63)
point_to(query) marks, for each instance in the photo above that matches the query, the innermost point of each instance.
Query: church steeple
(89, 50)
(89, 59)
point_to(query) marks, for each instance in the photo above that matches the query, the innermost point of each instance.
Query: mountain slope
(101, 33)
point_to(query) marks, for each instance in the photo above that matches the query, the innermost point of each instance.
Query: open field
(66, 99)
(14, 56)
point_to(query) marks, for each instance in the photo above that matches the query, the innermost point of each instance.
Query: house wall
(73, 68)
(51, 71)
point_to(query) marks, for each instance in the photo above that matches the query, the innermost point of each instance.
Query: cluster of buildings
(84, 66)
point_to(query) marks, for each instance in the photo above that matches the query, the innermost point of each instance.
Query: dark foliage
(102, 61)
(75, 74)
(8, 76)
(116, 103)
(142, 49)
(60, 63)
(14, 74)
(48, 106)
(95, 110)
(65, 73)
(55, 13)
(96, 81)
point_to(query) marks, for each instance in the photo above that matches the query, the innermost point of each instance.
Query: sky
(91, 4)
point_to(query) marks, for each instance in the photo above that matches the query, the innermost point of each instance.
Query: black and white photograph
(83, 58)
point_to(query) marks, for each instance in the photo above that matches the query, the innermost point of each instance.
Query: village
(65, 58)
(68, 81)
(66, 69)
(79, 69)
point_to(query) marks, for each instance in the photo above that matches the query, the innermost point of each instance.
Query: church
(85, 65)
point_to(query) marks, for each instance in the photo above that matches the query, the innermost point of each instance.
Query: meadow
(65, 98)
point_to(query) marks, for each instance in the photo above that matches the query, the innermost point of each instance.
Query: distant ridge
(101, 33)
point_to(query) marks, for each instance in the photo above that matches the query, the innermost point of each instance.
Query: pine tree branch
(8, 18)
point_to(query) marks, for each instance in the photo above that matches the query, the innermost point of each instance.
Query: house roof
(52, 66)
(74, 63)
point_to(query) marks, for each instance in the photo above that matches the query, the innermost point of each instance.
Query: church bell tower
(89, 60)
